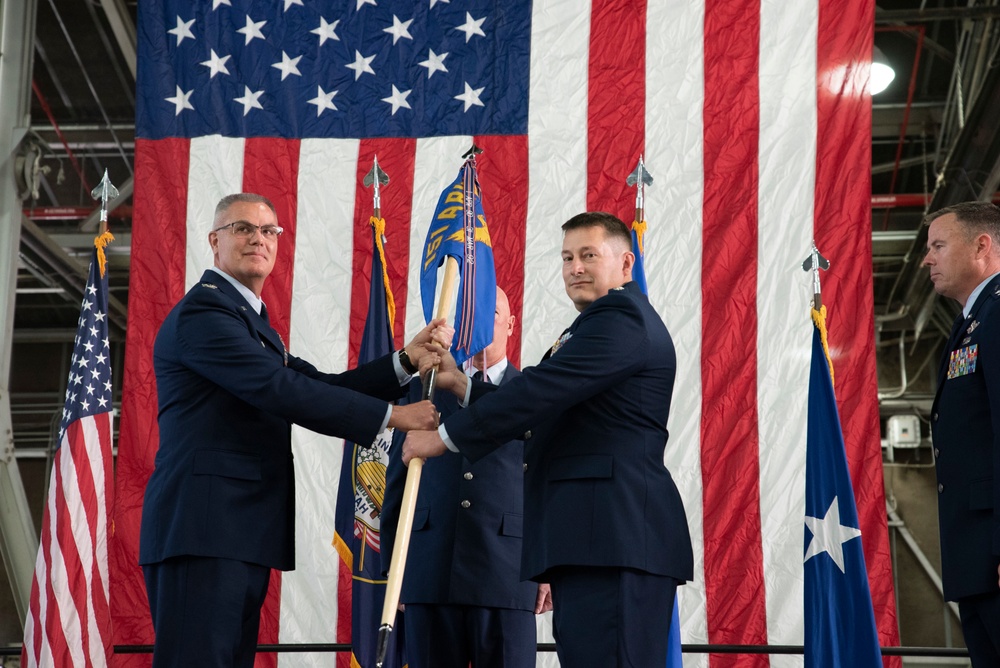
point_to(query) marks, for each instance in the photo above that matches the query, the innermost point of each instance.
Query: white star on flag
(252, 30)
(215, 64)
(365, 2)
(323, 100)
(250, 100)
(288, 65)
(470, 96)
(444, 2)
(326, 31)
(361, 65)
(182, 30)
(397, 99)
(216, 3)
(181, 101)
(289, 3)
(399, 29)
(829, 535)
(434, 63)
(471, 27)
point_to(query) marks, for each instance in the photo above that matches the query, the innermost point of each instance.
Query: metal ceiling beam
(18, 539)
(65, 271)
(968, 173)
(124, 30)
(886, 16)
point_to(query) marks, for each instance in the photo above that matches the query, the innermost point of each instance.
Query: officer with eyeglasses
(219, 509)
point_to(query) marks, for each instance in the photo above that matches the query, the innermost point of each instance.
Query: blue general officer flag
(458, 229)
(674, 657)
(362, 488)
(839, 619)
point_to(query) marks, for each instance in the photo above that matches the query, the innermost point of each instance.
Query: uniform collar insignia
(618, 289)
(210, 285)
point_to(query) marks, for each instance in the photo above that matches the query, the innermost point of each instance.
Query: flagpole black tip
(383, 644)
(472, 152)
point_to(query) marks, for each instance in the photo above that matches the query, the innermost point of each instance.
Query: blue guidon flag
(458, 229)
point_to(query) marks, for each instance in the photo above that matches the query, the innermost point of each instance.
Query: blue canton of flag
(88, 388)
(362, 490)
(458, 229)
(839, 620)
(340, 68)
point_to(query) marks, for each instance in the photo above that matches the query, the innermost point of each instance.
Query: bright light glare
(882, 76)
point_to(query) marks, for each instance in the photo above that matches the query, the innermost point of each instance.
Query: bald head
(503, 327)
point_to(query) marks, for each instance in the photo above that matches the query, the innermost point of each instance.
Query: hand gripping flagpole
(404, 528)
(104, 192)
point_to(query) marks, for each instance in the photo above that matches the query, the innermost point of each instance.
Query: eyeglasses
(245, 230)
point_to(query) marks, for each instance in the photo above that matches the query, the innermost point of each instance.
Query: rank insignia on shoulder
(963, 361)
(210, 285)
(972, 327)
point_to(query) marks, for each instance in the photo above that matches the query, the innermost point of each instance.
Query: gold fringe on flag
(100, 242)
(379, 225)
(819, 317)
(639, 227)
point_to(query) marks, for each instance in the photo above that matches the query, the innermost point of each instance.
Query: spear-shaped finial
(104, 192)
(472, 152)
(814, 263)
(377, 178)
(640, 178)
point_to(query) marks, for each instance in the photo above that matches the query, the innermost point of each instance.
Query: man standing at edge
(219, 509)
(604, 523)
(963, 254)
(465, 601)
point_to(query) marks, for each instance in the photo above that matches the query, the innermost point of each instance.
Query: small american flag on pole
(69, 620)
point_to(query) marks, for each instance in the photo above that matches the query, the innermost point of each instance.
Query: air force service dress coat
(223, 483)
(596, 490)
(965, 424)
(465, 548)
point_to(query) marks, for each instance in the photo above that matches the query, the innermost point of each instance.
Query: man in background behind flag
(69, 621)
(839, 619)
(363, 485)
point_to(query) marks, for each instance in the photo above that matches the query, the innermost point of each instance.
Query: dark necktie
(263, 313)
(956, 330)
(480, 376)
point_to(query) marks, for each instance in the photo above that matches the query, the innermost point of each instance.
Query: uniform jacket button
(468, 475)
(940, 488)
(466, 503)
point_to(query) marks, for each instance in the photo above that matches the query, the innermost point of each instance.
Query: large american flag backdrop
(752, 115)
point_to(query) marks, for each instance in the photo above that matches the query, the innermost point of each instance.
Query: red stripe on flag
(503, 178)
(100, 590)
(396, 157)
(64, 543)
(734, 578)
(843, 132)
(159, 237)
(67, 529)
(616, 103)
(271, 169)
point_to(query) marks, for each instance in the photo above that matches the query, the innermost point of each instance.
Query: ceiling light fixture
(882, 73)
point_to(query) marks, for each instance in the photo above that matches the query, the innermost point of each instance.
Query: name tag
(963, 361)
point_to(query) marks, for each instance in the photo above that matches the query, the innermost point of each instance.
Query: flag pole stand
(401, 544)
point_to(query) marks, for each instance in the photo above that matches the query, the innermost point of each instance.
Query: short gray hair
(252, 198)
(975, 217)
